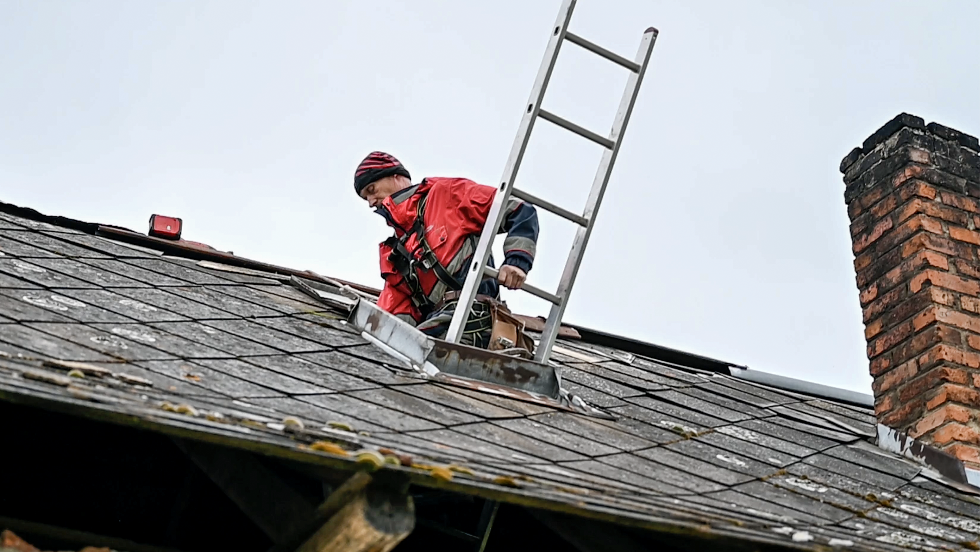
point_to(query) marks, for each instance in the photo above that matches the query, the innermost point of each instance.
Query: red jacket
(455, 212)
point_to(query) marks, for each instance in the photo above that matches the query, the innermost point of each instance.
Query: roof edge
(653, 351)
(804, 387)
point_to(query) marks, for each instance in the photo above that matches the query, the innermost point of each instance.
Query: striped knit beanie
(376, 166)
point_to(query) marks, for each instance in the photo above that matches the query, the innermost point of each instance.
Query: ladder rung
(492, 272)
(548, 206)
(596, 49)
(568, 125)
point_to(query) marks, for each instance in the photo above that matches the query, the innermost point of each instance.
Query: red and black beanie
(376, 166)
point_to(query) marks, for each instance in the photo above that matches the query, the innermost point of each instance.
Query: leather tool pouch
(508, 331)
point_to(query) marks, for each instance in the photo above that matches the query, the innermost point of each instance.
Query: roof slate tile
(276, 301)
(126, 309)
(312, 330)
(823, 493)
(332, 380)
(739, 502)
(742, 463)
(133, 272)
(745, 446)
(41, 275)
(169, 266)
(221, 344)
(890, 534)
(523, 444)
(600, 384)
(876, 459)
(260, 376)
(111, 344)
(105, 245)
(223, 301)
(486, 450)
(616, 474)
(31, 339)
(369, 412)
(907, 521)
(88, 273)
(581, 443)
(795, 500)
(654, 407)
(413, 406)
(269, 336)
(16, 248)
(610, 435)
(32, 306)
(718, 403)
(54, 245)
(482, 407)
(370, 371)
(694, 466)
(592, 396)
(526, 408)
(766, 426)
(661, 472)
(819, 431)
(171, 342)
(207, 378)
(719, 386)
(170, 301)
(844, 467)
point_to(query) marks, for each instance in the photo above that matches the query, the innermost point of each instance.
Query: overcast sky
(723, 231)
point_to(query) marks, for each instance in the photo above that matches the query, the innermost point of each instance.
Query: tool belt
(507, 332)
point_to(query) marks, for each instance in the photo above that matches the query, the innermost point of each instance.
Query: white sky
(723, 231)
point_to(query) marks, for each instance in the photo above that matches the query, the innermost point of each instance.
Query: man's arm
(520, 223)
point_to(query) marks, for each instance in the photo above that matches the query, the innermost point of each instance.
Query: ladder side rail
(495, 217)
(582, 234)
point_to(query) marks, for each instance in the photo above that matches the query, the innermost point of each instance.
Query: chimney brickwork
(913, 197)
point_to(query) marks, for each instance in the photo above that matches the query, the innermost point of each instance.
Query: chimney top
(913, 198)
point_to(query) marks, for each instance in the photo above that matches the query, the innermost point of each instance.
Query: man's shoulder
(447, 183)
(447, 180)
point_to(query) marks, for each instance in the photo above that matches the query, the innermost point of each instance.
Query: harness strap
(406, 262)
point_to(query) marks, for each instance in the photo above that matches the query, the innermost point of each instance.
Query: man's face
(376, 192)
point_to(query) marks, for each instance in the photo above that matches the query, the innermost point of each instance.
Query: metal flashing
(973, 477)
(650, 350)
(462, 365)
(804, 387)
(945, 464)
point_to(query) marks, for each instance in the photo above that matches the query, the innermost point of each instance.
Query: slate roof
(225, 356)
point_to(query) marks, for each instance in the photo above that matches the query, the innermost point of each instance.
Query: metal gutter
(649, 350)
(804, 387)
(690, 360)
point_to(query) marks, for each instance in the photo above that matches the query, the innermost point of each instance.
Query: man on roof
(437, 225)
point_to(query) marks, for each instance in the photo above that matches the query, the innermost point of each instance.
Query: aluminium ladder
(586, 220)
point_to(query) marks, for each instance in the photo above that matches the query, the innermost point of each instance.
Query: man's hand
(511, 277)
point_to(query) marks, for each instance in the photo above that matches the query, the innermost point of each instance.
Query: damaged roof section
(241, 357)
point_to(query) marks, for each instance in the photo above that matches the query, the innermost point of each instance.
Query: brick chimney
(913, 196)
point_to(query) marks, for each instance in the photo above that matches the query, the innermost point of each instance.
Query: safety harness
(422, 257)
